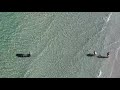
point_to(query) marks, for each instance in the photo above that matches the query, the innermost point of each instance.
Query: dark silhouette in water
(99, 56)
(108, 53)
(23, 55)
(102, 56)
(90, 54)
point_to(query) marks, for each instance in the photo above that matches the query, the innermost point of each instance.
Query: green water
(58, 42)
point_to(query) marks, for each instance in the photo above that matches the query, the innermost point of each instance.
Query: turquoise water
(58, 42)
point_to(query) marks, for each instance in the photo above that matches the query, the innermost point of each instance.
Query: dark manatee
(23, 55)
(90, 54)
(102, 56)
(108, 53)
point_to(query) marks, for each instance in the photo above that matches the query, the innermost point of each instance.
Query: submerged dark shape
(90, 54)
(99, 56)
(102, 56)
(23, 55)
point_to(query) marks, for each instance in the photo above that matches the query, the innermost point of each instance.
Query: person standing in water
(94, 53)
(108, 53)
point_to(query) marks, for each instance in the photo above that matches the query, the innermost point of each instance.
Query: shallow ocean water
(58, 43)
